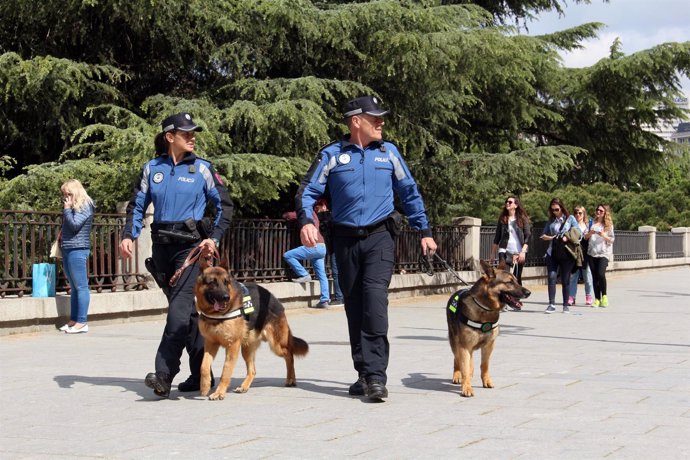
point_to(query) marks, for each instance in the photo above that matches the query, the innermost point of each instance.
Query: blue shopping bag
(43, 280)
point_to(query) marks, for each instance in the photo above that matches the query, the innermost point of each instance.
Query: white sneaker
(550, 309)
(302, 279)
(73, 330)
(65, 327)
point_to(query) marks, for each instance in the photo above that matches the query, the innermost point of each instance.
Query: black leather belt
(170, 226)
(359, 232)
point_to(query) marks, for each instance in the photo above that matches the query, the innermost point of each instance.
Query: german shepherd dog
(236, 317)
(472, 316)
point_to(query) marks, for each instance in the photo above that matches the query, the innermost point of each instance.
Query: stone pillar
(651, 239)
(686, 239)
(472, 240)
(144, 245)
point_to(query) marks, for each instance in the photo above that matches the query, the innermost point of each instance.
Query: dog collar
(246, 308)
(480, 305)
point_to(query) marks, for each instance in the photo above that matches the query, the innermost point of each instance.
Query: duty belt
(359, 232)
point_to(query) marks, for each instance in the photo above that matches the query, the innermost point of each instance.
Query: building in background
(669, 130)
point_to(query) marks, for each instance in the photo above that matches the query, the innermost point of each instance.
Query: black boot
(160, 382)
(359, 388)
(376, 391)
(193, 384)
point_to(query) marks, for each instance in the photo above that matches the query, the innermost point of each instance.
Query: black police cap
(180, 122)
(365, 104)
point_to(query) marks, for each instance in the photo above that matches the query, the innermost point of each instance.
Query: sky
(640, 25)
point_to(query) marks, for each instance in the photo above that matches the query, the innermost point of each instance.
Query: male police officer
(361, 172)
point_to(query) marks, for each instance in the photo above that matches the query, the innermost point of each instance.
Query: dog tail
(299, 346)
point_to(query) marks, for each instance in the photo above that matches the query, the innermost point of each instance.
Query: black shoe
(376, 390)
(359, 388)
(160, 382)
(193, 384)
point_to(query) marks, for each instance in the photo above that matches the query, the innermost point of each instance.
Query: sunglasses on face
(601, 210)
(509, 202)
(555, 209)
(578, 212)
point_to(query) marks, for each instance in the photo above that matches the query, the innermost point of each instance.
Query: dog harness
(453, 307)
(246, 308)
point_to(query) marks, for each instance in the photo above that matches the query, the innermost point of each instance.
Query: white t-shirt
(513, 241)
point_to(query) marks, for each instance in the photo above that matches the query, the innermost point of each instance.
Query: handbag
(56, 250)
(43, 280)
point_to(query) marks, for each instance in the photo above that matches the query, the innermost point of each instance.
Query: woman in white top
(601, 238)
(580, 214)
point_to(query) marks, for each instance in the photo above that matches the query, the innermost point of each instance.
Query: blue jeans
(74, 265)
(553, 266)
(336, 282)
(317, 255)
(586, 275)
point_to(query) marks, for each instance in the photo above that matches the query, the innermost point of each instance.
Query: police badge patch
(344, 159)
(158, 178)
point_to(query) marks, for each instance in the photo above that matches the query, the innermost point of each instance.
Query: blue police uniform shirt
(361, 183)
(178, 192)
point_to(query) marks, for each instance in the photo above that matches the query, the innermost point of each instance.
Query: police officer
(361, 172)
(179, 184)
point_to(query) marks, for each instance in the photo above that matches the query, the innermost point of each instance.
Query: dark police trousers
(181, 327)
(365, 268)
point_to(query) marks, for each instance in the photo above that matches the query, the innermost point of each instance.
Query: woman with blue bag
(77, 219)
(557, 256)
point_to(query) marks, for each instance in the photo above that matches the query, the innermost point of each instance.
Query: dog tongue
(217, 306)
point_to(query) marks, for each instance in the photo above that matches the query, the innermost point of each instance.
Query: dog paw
(217, 396)
(290, 383)
(488, 383)
(467, 392)
(241, 390)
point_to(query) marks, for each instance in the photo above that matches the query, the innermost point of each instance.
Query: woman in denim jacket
(77, 218)
(557, 257)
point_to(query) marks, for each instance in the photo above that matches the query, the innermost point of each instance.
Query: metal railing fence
(669, 245)
(254, 248)
(26, 237)
(629, 245)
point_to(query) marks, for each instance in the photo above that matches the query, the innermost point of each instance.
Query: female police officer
(362, 171)
(179, 184)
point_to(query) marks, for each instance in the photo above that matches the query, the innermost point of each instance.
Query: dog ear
(486, 267)
(224, 262)
(502, 265)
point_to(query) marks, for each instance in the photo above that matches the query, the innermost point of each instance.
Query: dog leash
(428, 268)
(191, 259)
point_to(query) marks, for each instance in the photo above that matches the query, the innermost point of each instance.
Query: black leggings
(597, 266)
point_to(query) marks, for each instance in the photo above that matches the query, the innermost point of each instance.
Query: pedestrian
(513, 231)
(582, 219)
(179, 185)
(315, 254)
(75, 240)
(558, 259)
(324, 227)
(601, 238)
(362, 172)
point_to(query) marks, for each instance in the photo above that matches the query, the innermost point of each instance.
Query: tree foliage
(478, 109)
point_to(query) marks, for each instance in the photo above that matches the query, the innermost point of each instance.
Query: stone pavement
(597, 383)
